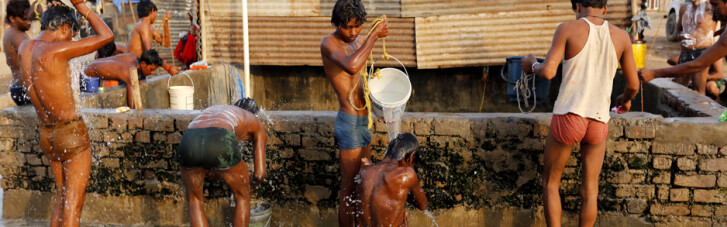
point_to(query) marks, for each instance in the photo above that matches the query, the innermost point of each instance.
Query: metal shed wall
(178, 24)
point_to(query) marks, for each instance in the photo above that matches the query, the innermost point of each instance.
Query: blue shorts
(352, 131)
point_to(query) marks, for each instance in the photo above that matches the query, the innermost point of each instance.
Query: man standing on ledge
(592, 49)
(344, 54)
(143, 33)
(63, 134)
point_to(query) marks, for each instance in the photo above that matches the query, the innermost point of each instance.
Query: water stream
(429, 214)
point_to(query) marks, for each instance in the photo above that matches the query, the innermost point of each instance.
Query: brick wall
(656, 169)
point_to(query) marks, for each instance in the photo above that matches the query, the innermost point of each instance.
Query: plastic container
(514, 70)
(260, 213)
(390, 93)
(91, 84)
(181, 97)
(639, 48)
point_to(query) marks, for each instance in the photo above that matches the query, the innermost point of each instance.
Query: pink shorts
(571, 128)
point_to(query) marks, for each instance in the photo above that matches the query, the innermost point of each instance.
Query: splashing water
(264, 117)
(393, 127)
(429, 214)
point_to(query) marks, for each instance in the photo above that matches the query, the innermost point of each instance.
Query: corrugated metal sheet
(619, 11)
(483, 39)
(391, 8)
(293, 40)
(178, 24)
(374, 8)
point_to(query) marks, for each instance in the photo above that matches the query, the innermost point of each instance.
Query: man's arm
(420, 199)
(682, 9)
(628, 64)
(352, 64)
(549, 68)
(261, 138)
(86, 45)
(714, 53)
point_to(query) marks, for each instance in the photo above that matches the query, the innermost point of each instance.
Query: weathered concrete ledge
(473, 167)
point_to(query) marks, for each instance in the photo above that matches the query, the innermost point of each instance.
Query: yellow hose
(365, 75)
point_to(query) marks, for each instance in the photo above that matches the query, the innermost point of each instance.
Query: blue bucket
(514, 70)
(91, 84)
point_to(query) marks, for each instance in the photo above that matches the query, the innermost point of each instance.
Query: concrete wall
(478, 169)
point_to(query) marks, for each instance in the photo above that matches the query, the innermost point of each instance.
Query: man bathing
(210, 146)
(45, 77)
(144, 34)
(696, 32)
(344, 54)
(385, 186)
(118, 68)
(592, 49)
(19, 15)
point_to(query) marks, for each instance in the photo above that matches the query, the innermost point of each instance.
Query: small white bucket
(390, 93)
(181, 97)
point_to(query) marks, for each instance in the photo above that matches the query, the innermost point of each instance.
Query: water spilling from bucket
(429, 214)
(389, 95)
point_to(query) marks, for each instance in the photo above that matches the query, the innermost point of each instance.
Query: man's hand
(174, 70)
(527, 63)
(382, 29)
(365, 162)
(646, 75)
(624, 103)
(255, 180)
(168, 16)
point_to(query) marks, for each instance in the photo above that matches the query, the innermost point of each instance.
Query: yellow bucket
(639, 49)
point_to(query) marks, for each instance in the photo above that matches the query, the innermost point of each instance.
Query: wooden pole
(133, 15)
(135, 92)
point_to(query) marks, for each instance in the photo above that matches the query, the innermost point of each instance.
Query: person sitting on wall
(186, 51)
(210, 146)
(119, 67)
(143, 34)
(19, 15)
(385, 186)
(590, 50)
(715, 81)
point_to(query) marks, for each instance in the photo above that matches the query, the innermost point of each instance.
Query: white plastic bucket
(181, 97)
(390, 93)
(260, 214)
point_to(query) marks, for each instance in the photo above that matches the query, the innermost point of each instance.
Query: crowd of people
(371, 194)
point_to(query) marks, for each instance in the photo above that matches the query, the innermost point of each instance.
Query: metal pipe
(246, 46)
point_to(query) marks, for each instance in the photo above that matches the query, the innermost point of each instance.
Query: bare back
(383, 189)
(341, 80)
(112, 68)
(11, 42)
(243, 123)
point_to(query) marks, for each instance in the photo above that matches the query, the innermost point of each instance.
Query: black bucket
(514, 71)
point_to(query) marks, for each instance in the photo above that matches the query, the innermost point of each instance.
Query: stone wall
(656, 170)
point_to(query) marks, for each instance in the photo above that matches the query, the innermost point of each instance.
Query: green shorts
(209, 148)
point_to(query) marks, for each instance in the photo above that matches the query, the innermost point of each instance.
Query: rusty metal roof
(293, 40)
(423, 33)
(178, 24)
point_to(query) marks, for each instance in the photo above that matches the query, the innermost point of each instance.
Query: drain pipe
(246, 46)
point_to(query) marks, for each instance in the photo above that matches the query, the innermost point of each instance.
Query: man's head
(580, 6)
(403, 149)
(719, 10)
(106, 50)
(146, 8)
(19, 14)
(348, 18)
(247, 104)
(149, 61)
(62, 20)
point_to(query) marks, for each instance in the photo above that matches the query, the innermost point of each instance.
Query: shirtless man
(384, 187)
(111, 49)
(143, 33)
(707, 58)
(20, 16)
(592, 49)
(210, 146)
(118, 68)
(63, 134)
(696, 31)
(344, 54)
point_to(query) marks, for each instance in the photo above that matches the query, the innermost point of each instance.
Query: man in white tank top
(712, 54)
(592, 49)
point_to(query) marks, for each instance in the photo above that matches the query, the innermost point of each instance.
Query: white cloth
(588, 77)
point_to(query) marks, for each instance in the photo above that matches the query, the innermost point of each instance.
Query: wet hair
(150, 57)
(347, 10)
(16, 8)
(145, 7)
(599, 4)
(57, 16)
(107, 50)
(402, 147)
(247, 104)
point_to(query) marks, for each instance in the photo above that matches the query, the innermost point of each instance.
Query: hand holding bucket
(389, 91)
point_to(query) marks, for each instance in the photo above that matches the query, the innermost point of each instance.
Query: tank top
(588, 77)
